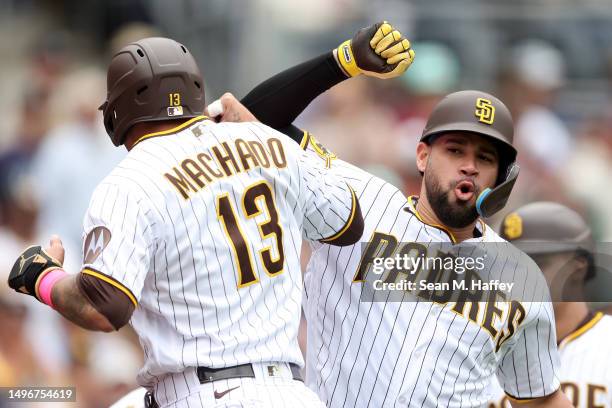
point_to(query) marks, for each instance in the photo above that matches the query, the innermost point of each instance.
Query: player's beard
(454, 215)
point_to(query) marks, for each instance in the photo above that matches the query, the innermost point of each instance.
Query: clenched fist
(378, 50)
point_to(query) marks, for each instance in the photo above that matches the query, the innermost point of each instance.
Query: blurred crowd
(58, 151)
(54, 151)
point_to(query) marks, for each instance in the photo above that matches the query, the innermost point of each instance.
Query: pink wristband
(46, 285)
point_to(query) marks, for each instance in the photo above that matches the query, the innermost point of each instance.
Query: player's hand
(56, 249)
(378, 50)
(229, 109)
(33, 264)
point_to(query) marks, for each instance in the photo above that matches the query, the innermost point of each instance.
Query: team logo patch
(513, 226)
(322, 151)
(96, 241)
(485, 111)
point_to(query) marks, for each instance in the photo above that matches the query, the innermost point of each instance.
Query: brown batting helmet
(150, 80)
(547, 227)
(483, 114)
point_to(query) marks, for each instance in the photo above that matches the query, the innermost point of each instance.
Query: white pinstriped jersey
(586, 366)
(411, 353)
(203, 230)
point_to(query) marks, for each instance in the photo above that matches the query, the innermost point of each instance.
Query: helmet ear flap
(492, 200)
(109, 126)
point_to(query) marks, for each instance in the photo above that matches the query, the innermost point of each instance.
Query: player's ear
(422, 155)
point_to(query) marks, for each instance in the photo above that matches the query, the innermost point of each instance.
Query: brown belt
(206, 375)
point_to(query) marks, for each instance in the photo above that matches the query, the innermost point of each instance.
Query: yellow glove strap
(347, 60)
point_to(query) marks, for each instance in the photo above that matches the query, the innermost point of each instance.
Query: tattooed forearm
(71, 304)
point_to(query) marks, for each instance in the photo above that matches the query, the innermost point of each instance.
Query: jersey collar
(589, 321)
(479, 229)
(171, 131)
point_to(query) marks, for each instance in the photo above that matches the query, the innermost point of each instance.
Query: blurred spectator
(18, 207)
(18, 215)
(434, 74)
(531, 76)
(535, 72)
(73, 158)
(104, 366)
(588, 172)
(46, 64)
(33, 123)
(49, 59)
(18, 363)
(349, 122)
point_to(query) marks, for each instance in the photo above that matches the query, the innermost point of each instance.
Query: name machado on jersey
(194, 173)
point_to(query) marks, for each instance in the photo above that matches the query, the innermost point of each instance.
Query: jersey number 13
(251, 198)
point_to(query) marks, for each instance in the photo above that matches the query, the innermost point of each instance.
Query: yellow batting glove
(378, 51)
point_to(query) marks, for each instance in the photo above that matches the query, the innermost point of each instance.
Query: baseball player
(194, 238)
(417, 353)
(560, 242)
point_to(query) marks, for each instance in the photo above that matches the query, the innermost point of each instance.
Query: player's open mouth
(464, 190)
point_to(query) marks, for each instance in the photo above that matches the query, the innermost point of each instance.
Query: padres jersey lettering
(585, 371)
(415, 353)
(202, 230)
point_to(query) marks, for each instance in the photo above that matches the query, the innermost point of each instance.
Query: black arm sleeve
(277, 101)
